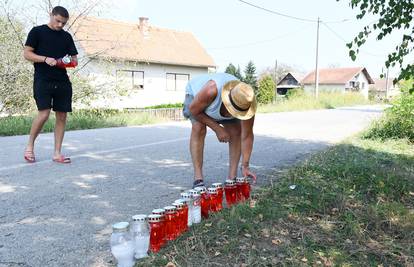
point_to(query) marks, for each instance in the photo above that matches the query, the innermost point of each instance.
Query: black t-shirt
(50, 43)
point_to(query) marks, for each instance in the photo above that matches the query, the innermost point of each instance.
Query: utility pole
(386, 84)
(276, 81)
(317, 59)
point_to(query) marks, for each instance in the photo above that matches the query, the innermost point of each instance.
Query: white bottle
(141, 236)
(122, 246)
(196, 211)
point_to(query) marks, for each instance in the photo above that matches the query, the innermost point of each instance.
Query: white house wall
(104, 76)
(337, 88)
(363, 84)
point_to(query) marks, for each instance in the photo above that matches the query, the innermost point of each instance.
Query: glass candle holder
(205, 201)
(161, 212)
(230, 191)
(156, 232)
(220, 194)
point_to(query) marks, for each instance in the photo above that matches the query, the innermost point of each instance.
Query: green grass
(308, 102)
(353, 205)
(78, 120)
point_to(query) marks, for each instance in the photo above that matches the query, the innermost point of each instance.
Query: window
(177, 81)
(132, 78)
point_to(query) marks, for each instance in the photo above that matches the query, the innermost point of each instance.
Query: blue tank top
(195, 85)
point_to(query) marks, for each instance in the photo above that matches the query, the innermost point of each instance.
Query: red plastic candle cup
(239, 185)
(171, 225)
(213, 199)
(220, 193)
(156, 232)
(246, 189)
(205, 201)
(180, 214)
(230, 191)
(161, 212)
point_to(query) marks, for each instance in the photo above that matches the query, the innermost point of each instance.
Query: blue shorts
(187, 114)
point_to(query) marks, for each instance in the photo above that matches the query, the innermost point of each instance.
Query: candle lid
(217, 185)
(120, 226)
(169, 209)
(139, 218)
(159, 211)
(154, 218)
(212, 190)
(230, 182)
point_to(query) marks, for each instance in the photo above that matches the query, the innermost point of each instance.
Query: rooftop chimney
(143, 26)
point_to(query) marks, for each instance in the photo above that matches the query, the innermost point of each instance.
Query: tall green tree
(266, 90)
(250, 76)
(231, 69)
(392, 15)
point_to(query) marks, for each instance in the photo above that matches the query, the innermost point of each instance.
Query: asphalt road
(61, 215)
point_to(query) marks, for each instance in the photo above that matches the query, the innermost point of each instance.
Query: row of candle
(167, 224)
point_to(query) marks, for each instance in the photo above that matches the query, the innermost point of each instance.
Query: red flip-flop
(62, 159)
(29, 156)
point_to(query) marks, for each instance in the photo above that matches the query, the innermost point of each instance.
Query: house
(339, 80)
(290, 81)
(383, 89)
(150, 65)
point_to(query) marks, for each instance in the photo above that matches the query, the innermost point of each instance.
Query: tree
(281, 71)
(15, 73)
(250, 75)
(266, 90)
(393, 15)
(231, 69)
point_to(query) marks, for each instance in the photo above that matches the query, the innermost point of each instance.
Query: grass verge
(353, 205)
(307, 102)
(78, 120)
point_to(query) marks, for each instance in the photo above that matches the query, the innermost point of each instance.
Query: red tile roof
(124, 41)
(336, 75)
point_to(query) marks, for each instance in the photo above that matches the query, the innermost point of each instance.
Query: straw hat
(239, 99)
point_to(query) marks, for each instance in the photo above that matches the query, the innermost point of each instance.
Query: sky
(234, 32)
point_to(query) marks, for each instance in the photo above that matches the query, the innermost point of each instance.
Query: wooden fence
(175, 114)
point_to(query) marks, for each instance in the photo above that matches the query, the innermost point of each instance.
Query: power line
(277, 13)
(259, 42)
(345, 41)
(289, 16)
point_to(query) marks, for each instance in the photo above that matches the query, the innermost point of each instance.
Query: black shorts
(53, 94)
(187, 114)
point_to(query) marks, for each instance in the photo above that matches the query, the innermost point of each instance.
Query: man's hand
(247, 173)
(50, 61)
(222, 135)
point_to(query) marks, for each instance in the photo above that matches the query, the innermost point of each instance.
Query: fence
(175, 114)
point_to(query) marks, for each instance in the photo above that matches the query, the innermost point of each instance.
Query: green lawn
(78, 120)
(352, 205)
(307, 102)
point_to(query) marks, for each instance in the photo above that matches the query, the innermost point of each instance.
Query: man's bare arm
(30, 55)
(201, 101)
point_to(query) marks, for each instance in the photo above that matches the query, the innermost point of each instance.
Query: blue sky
(234, 32)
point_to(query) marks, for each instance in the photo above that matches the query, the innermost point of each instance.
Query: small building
(150, 65)
(383, 89)
(290, 81)
(340, 80)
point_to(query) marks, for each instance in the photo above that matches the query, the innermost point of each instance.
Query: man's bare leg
(198, 135)
(59, 132)
(234, 130)
(37, 125)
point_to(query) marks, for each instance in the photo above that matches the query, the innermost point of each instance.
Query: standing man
(45, 45)
(227, 106)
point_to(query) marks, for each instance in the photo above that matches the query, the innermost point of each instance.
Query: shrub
(266, 90)
(398, 121)
(295, 93)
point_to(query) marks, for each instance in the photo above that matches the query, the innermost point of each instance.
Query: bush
(295, 93)
(266, 90)
(398, 121)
